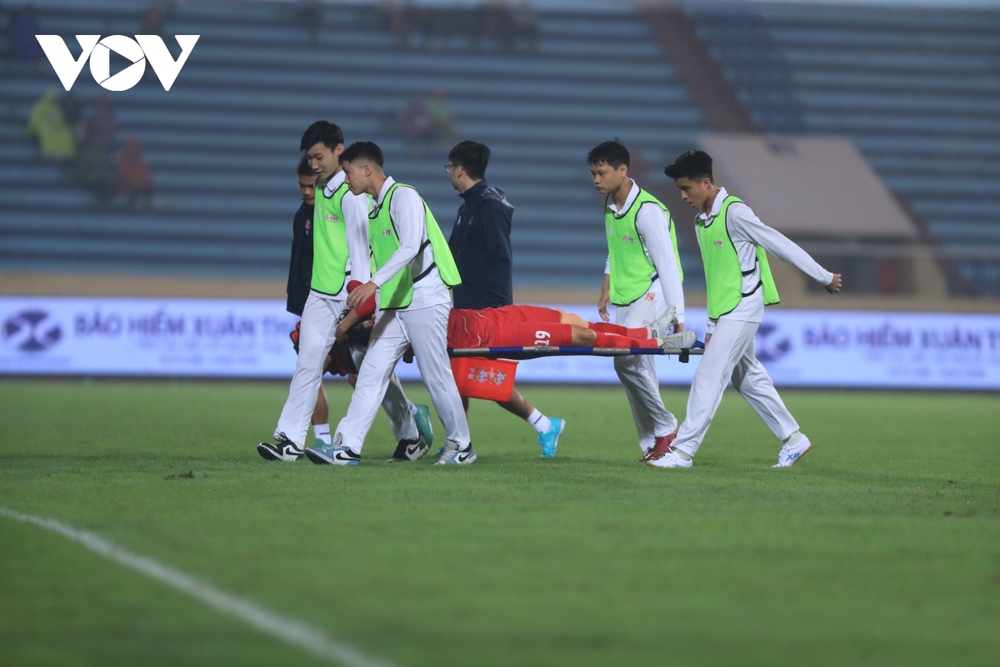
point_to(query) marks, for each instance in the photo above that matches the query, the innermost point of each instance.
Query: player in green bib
(734, 245)
(414, 269)
(643, 280)
(340, 252)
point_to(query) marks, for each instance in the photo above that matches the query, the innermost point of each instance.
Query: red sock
(607, 327)
(614, 340)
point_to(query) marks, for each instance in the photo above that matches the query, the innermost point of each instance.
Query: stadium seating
(222, 143)
(916, 89)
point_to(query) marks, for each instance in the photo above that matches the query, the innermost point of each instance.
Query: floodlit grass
(881, 548)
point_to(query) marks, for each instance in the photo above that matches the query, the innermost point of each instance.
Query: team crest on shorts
(650, 296)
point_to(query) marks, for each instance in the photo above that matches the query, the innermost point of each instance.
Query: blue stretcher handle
(565, 351)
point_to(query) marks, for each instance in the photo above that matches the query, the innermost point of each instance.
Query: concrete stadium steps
(916, 89)
(222, 143)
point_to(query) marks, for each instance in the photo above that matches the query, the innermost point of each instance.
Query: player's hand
(834, 285)
(602, 306)
(361, 293)
(341, 333)
(679, 327)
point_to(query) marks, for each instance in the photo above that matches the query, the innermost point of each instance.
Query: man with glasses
(480, 243)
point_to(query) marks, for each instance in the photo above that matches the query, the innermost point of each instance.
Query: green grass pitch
(882, 547)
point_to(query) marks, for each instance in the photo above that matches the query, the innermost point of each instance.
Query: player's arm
(356, 220)
(744, 223)
(653, 225)
(350, 319)
(605, 297)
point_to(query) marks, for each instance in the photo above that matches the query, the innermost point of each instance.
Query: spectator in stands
(152, 22)
(496, 23)
(47, 123)
(103, 122)
(92, 169)
(309, 15)
(427, 121)
(525, 23)
(440, 114)
(414, 122)
(72, 109)
(22, 28)
(134, 179)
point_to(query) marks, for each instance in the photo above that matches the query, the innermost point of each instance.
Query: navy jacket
(300, 268)
(480, 242)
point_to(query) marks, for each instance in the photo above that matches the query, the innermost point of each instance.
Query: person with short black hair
(734, 245)
(480, 242)
(642, 278)
(299, 277)
(340, 253)
(414, 270)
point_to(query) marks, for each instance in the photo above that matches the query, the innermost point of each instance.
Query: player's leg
(751, 379)
(388, 343)
(315, 340)
(639, 333)
(427, 330)
(548, 428)
(617, 329)
(321, 417)
(410, 423)
(638, 375)
(730, 341)
(601, 339)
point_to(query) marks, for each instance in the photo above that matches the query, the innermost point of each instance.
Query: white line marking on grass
(287, 630)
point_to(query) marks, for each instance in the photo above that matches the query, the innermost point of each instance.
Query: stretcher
(488, 372)
(521, 353)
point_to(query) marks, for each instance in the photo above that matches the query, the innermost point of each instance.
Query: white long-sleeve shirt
(653, 226)
(355, 209)
(408, 217)
(747, 232)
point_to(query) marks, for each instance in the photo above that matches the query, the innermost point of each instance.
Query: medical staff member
(480, 243)
(340, 252)
(734, 245)
(643, 280)
(415, 270)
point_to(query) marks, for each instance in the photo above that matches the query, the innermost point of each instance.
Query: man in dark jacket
(301, 265)
(480, 243)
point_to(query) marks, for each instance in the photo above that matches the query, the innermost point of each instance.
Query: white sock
(322, 432)
(541, 423)
(794, 439)
(413, 409)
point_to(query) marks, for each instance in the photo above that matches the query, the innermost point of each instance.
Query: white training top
(653, 226)
(407, 211)
(747, 232)
(355, 209)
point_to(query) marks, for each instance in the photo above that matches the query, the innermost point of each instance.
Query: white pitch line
(290, 631)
